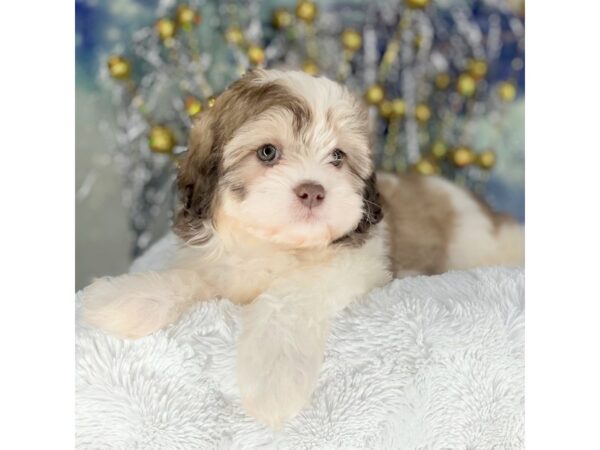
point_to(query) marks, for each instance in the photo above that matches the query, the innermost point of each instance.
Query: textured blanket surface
(423, 363)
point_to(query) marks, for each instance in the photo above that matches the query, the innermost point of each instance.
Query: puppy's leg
(279, 356)
(285, 329)
(135, 305)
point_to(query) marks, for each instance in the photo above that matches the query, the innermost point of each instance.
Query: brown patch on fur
(201, 170)
(373, 214)
(420, 221)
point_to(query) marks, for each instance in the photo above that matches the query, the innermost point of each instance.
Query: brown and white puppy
(281, 212)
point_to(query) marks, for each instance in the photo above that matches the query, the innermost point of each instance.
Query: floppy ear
(373, 213)
(197, 179)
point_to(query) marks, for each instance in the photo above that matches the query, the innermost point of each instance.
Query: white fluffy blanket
(423, 363)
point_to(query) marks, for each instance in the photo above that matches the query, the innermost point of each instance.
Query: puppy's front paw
(276, 376)
(125, 307)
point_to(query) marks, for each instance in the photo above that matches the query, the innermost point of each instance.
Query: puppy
(281, 212)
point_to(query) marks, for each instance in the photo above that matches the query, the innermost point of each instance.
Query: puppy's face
(283, 156)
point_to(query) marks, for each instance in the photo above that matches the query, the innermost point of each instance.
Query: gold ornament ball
(486, 159)
(463, 156)
(161, 139)
(439, 150)
(310, 67)
(256, 54)
(422, 113)
(306, 11)
(193, 106)
(187, 17)
(374, 94)
(281, 19)
(385, 109)
(477, 68)
(118, 67)
(442, 80)
(234, 35)
(211, 101)
(351, 39)
(426, 167)
(398, 108)
(507, 91)
(165, 28)
(417, 4)
(466, 85)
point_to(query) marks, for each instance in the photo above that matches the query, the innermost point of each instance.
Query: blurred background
(444, 80)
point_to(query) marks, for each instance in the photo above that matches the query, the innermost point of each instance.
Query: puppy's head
(283, 156)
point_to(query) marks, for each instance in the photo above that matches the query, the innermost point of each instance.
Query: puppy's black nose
(310, 194)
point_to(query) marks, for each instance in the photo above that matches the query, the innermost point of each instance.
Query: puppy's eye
(337, 157)
(268, 153)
